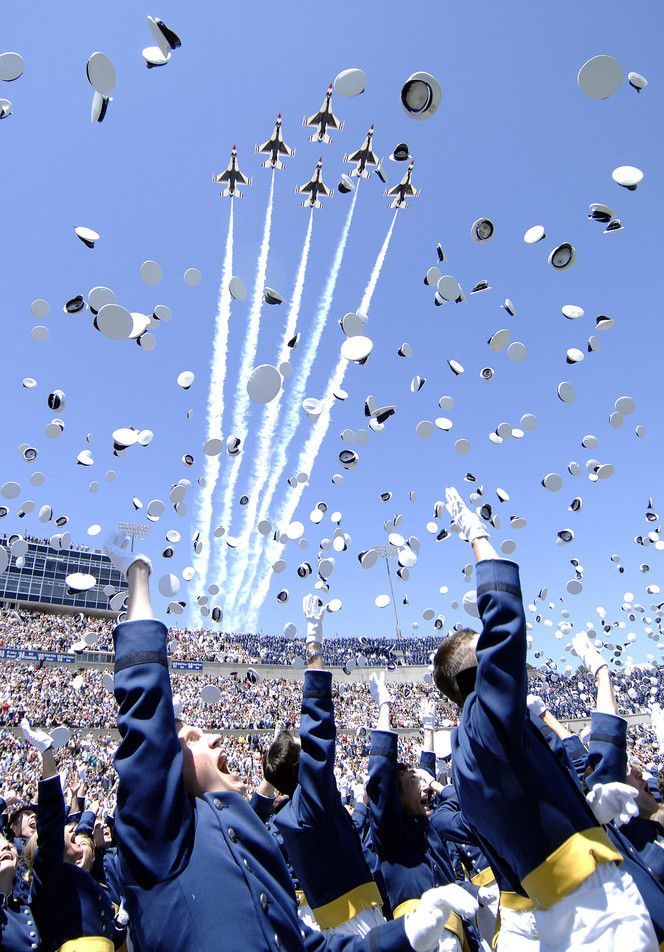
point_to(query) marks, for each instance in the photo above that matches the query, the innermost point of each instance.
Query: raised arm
(385, 810)
(49, 856)
(154, 817)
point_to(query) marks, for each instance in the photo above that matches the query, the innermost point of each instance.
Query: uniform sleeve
(502, 680)
(262, 806)
(360, 817)
(317, 785)
(385, 810)
(389, 937)
(154, 817)
(428, 762)
(449, 823)
(607, 749)
(49, 856)
(87, 822)
(577, 755)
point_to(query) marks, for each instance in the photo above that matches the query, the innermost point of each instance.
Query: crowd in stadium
(366, 812)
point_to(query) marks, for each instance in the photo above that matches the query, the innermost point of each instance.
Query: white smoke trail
(215, 406)
(241, 400)
(278, 465)
(312, 447)
(264, 450)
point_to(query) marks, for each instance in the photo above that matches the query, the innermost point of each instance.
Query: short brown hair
(282, 763)
(454, 654)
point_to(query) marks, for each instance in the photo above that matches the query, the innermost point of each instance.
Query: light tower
(135, 530)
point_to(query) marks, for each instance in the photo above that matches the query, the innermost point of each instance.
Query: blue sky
(514, 139)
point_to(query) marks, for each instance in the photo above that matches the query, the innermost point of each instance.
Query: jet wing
(222, 177)
(309, 187)
(354, 156)
(409, 189)
(333, 122)
(284, 150)
(324, 190)
(242, 179)
(266, 147)
(314, 120)
(395, 190)
(372, 158)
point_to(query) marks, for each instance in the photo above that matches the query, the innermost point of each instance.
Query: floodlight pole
(388, 552)
(135, 530)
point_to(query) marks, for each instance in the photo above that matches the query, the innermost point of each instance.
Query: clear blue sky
(514, 139)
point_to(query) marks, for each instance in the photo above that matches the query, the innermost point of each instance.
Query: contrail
(261, 460)
(215, 406)
(278, 465)
(241, 401)
(312, 447)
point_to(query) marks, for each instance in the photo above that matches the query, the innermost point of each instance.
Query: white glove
(178, 704)
(657, 718)
(587, 652)
(613, 801)
(379, 689)
(470, 525)
(36, 737)
(536, 705)
(428, 715)
(314, 610)
(488, 894)
(117, 548)
(358, 792)
(424, 777)
(426, 925)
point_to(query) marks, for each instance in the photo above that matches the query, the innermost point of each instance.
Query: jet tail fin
(317, 137)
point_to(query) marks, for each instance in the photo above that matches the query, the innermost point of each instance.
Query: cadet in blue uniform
(200, 871)
(413, 857)
(313, 823)
(528, 814)
(73, 912)
(18, 932)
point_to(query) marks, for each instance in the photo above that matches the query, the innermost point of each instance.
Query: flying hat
(534, 234)
(154, 57)
(264, 383)
(192, 277)
(356, 348)
(482, 229)
(499, 340)
(210, 694)
(563, 256)
(449, 288)
(87, 235)
(600, 77)
(401, 153)
(517, 351)
(628, 176)
(604, 323)
(185, 379)
(80, 581)
(346, 184)
(270, 296)
(637, 81)
(237, 288)
(101, 74)
(574, 355)
(455, 367)
(405, 350)
(114, 322)
(350, 82)
(40, 334)
(572, 312)
(164, 37)
(421, 95)
(482, 285)
(11, 66)
(98, 107)
(566, 392)
(487, 373)
(151, 272)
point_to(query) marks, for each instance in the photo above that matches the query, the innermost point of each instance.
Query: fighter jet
(314, 186)
(324, 119)
(364, 156)
(232, 175)
(399, 192)
(275, 147)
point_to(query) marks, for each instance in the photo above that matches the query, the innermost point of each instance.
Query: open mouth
(222, 763)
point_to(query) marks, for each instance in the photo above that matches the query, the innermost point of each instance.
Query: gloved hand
(488, 894)
(37, 738)
(358, 792)
(536, 705)
(428, 715)
(657, 718)
(314, 610)
(178, 704)
(117, 548)
(379, 689)
(424, 777)
(613, 801)
(426, 924)
(587, 652)
(470, 525)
